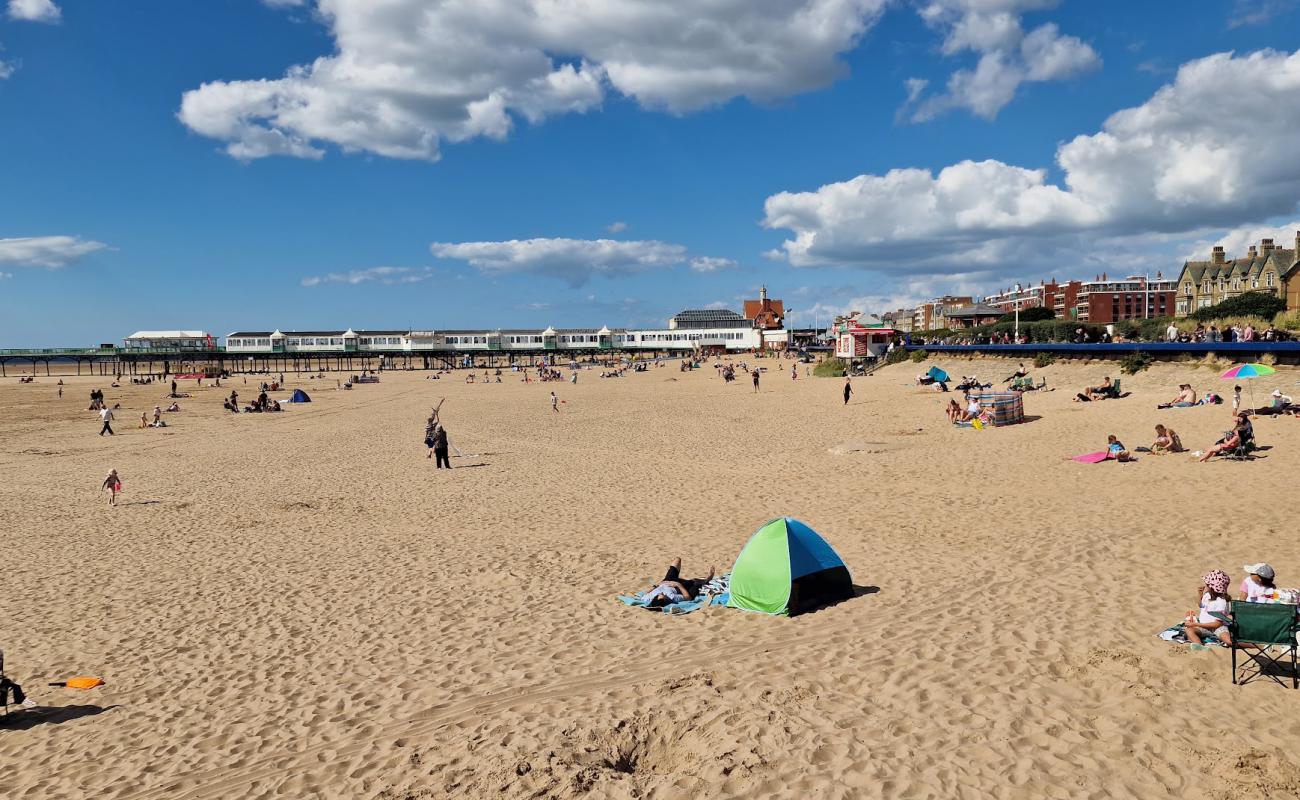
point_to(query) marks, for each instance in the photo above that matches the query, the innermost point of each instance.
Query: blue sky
(169, 164)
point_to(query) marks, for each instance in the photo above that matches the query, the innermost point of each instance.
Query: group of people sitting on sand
(260, 405)
(158, 421)
(970, 412)
(1238, 441)
(1210, 619)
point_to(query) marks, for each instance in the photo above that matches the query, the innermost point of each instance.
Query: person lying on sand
(1213, 599)
(674, 588)
(1186, 397)
(1115, 449)
(1020, 372)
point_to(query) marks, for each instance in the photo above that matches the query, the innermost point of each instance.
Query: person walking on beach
(106, 414)
(113, 484)
(848, 390)
(430, 427)
(173, 387)
(755, 376)
(555, 403)
(440, 446)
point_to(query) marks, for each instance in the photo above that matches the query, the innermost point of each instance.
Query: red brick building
(1107, 300)
(765, 314)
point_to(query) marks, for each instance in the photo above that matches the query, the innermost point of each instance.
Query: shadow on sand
(48, 715)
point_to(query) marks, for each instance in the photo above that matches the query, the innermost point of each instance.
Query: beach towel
(80, 682)
(1178, 635)
(713, 593)
(1092, 458)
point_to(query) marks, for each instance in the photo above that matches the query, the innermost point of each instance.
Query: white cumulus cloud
(1196, 155)
(46, 251)
(34, 10)
(573, 260)
(711, 264)
(407, 75)
(616, 227)
(385, 275)
(1008, 57)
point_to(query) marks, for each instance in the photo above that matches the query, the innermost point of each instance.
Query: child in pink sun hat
(1214, 599)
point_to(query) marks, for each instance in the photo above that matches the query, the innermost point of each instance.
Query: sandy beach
(300, 605)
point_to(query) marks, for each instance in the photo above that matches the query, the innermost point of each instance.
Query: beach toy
(80, 682)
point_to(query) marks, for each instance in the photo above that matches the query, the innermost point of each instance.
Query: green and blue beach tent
(787, 568)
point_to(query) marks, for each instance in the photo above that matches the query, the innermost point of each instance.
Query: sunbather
(1230, 442)
(1020, 372)
(1115, 449)
(1213, 599)
(972, 409)
(954, 411)
(1186, 398)
(1167, 441)
(674, 588)
(1092, 393)
(1280, 404)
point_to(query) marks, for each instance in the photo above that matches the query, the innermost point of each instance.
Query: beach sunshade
(787, 568)
(1248, 371)
(299, 396)
(938, 374)
(1263, 626)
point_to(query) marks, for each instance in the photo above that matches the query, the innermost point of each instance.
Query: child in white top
(1213, 600)
(1258, 587)
(1236, 399)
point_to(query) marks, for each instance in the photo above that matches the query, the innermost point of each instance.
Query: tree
(1032, 314)
(1250, 304)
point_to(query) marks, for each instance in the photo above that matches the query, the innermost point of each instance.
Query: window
(1268, 279)
(1254, 283)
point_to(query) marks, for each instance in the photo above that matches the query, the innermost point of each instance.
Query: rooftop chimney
(1251, 251)
(1297, 244)
(1216, 255)
(1265, 246)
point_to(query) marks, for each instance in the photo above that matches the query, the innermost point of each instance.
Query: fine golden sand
(300, 605)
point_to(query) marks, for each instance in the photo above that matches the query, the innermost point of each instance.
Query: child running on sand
(1213, 593)
(114, 485)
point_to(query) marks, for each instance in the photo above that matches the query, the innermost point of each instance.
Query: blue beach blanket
(1177, 634)
(713, 593)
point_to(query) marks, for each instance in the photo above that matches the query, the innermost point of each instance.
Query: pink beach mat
(1091, 458)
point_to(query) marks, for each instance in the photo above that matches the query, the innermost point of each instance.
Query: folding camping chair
(1114, 392)
(1256, 629)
